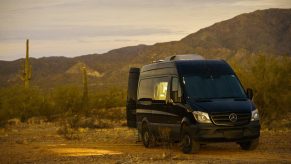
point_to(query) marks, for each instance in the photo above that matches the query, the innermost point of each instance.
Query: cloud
(260, 3)
(76, 27)
(74, 32)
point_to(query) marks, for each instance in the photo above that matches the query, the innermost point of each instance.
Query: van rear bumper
(212, 133)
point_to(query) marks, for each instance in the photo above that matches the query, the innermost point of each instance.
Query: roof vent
(185, 57)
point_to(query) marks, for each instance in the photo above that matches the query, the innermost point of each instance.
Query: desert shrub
(20, 103)
(269, 76)
(71, 126)
(17, 102)
(108, 99)
(117, 113)
(67, 99)
(67, 131)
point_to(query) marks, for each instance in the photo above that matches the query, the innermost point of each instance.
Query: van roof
(192, 66)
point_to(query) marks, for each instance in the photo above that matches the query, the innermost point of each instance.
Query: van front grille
(223, 118)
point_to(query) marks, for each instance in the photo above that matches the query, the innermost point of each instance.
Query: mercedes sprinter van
(199, 101)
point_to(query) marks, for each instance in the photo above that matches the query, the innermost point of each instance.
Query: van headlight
(201, 117)
(255, 115)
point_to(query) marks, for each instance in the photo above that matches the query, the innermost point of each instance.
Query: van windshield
(213, 87)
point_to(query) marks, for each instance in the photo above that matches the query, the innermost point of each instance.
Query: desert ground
(41, 143)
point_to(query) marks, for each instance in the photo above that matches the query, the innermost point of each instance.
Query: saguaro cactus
(26, 76)
(85, 87)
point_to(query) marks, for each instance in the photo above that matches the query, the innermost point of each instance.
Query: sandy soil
(41, 144)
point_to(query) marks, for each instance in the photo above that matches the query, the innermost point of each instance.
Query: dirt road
(42, 144)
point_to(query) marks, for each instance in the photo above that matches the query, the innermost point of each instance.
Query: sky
(78, 27)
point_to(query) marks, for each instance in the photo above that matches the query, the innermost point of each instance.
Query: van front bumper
(212, 133)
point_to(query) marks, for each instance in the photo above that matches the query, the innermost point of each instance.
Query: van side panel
(154, 110)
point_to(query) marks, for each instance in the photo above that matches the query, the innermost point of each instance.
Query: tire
(148, 139)
(188, 144)
(249, 145)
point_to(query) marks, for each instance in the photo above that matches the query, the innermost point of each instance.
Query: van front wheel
(148, 139)
(189, 145)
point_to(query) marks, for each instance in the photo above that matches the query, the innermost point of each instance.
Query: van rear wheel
(148, 138)
(189, 145)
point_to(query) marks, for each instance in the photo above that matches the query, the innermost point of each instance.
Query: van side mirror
(250, 93)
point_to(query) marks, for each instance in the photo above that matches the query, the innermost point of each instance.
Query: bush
(269, 76)
(66, 99)
(17, 102)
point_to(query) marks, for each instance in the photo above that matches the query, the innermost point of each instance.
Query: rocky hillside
(267, 31)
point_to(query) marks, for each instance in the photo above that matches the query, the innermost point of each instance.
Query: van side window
(145, 89)
(153, 88)
(176, 90)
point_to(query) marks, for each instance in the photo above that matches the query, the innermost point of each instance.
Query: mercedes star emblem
(232, 117)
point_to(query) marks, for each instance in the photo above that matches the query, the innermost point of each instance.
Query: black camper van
(199, 101)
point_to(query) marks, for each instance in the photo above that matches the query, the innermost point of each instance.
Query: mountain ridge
(262, 31)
